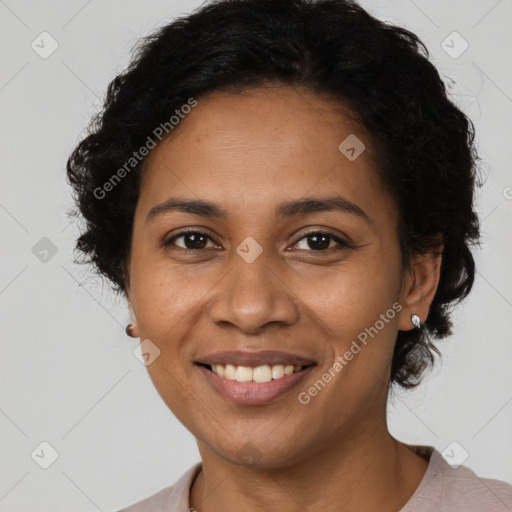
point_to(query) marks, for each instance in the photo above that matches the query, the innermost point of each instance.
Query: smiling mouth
(259, 374)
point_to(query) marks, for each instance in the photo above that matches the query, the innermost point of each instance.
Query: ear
(420, 286)
(129, 300)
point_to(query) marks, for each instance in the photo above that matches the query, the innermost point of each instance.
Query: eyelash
(342, 243)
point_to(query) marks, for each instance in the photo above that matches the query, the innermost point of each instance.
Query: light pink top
(442, 489)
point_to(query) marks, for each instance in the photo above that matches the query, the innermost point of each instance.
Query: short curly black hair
(425, 144)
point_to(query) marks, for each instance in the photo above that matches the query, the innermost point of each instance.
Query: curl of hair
(423, 143)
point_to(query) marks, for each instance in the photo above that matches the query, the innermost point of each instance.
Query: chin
(265, 452)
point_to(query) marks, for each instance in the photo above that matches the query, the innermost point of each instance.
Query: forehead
(264, 119)
(262, 146)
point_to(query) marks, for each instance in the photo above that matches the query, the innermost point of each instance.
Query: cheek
(350, 298)
(165, 307)
(162, 294)
(357, 306)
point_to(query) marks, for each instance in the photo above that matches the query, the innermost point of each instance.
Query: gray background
(68, 375)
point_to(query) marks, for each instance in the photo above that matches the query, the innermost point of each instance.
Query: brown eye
(321, 242)
(191, 240)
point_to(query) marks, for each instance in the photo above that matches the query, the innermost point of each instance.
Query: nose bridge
(252, 294)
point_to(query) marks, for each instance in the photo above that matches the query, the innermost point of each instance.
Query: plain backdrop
(68, 373)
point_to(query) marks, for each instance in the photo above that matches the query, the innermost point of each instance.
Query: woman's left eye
(319, 241)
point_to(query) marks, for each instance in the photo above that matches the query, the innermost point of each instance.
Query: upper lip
(255, 358)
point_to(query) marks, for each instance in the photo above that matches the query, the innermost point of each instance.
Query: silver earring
(415, 319)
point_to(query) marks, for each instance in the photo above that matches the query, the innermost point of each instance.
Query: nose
(253, 295)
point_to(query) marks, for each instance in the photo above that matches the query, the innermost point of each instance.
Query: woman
(284, 194)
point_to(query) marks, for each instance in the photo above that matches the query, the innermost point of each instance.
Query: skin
(249, 152)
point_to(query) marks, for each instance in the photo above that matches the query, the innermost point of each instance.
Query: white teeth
(264, 373)
(229, 371)
(243, 374)
(277, 371)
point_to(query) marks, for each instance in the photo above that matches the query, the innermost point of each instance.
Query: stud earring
(129, 330)
(415, 319)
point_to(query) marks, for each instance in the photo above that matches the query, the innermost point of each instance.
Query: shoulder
(173, 498)
(450, 489)
(463, 488)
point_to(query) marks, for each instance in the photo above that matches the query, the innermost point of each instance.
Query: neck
(370, 471)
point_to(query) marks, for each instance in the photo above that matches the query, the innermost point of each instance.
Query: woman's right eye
(192, 240)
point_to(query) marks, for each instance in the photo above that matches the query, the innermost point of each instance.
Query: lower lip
(254, 393)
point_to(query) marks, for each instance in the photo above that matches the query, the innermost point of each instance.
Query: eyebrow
(284, 210)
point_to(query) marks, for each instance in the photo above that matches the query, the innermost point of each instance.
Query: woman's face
(257, 283)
